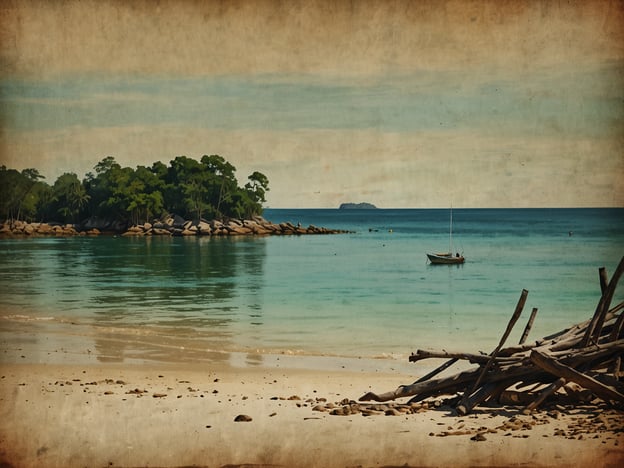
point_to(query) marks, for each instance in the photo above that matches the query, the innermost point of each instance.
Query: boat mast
(451, 233)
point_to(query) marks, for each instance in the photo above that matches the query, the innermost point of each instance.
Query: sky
(403, 104)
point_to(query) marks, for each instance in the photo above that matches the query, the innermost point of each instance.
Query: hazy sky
(397, 103)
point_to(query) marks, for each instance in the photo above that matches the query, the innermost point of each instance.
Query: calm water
(370, 293)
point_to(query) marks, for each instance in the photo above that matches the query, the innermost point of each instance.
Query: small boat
(447, 258)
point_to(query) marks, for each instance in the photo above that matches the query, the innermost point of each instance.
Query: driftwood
(589, 354)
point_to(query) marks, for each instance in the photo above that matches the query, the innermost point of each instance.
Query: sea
(367, 293)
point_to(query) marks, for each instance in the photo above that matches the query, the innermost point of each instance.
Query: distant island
(357, 206)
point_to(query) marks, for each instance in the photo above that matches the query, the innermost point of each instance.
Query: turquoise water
(363, 294)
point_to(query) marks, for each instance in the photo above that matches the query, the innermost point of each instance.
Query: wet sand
(57, 414)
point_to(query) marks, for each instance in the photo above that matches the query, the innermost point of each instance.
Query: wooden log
(529, 325)
(430, 375)
(595, 326)
(514, 318)
(486, 391)
(552, 388)
(568, 373)
(436, 385)
(617, 327)
(457, 382)
(604, 279)
(615, 367)
(426, 354)
(439, 369)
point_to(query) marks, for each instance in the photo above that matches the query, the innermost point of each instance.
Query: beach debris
(579, 365)
(243, 418)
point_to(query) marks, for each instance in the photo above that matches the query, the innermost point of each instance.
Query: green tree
(70, 196)
(101, 188)
(16, 194)
(188, 187)
(143, 195)
(222, 182)
(255, 191)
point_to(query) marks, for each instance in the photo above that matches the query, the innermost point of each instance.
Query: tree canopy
(193, 189)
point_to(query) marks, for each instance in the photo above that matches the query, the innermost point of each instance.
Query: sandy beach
(71, 410)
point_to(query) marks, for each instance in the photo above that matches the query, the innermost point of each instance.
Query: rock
(243, 418)
(44, 228)
(133, 233)
(204, 228)
(478, 437)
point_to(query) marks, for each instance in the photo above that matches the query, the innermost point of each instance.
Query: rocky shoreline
(170, 226)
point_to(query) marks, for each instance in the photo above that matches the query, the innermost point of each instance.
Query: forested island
(357, 206)
(187, 197)
(190, 188)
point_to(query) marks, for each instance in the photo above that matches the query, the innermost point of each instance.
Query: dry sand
(140, 414)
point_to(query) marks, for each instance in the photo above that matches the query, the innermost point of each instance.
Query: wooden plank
(558, 369)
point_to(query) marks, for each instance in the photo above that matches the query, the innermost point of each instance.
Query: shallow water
(366, 293)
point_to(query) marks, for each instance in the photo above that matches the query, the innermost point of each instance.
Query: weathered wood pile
(578, 364)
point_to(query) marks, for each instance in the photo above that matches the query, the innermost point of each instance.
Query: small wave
(27, 318)
(390, 356)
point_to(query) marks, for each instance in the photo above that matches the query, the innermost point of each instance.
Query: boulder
(204, 227)
(176, 221)
(160, 232)
(44, 228)
(133, 232)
